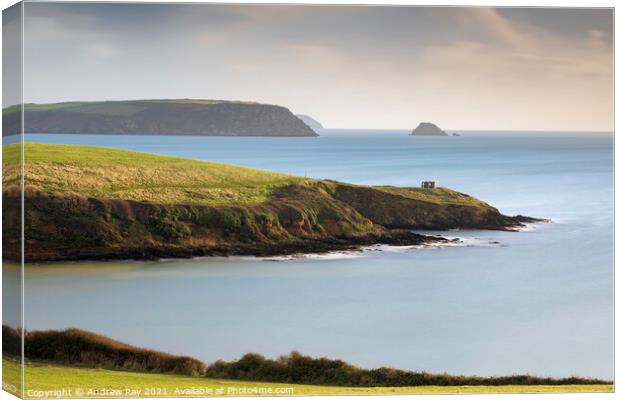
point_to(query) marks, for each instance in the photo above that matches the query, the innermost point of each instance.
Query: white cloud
(527, 77)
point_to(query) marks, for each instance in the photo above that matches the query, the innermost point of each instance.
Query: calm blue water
(539, 302)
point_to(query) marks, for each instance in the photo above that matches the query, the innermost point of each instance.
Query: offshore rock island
(157, 117)
(99, 203)
(428, 129)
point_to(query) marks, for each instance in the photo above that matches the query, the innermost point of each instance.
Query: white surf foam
(536, 226)
(332, 255)
(369, 250)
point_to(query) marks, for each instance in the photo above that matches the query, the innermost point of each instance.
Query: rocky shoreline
(298, 247)
(396, 237)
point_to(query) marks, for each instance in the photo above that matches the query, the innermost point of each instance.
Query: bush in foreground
(80, 348)
(297, 368)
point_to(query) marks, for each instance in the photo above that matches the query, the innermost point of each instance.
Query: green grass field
(129, 175)
(119, 174)
(84, 382)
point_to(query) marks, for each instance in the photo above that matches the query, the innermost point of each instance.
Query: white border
(497, 3)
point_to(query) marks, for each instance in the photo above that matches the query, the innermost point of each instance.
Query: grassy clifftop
(110, 107)
(94, 202)
(130, 175)
(127, 175)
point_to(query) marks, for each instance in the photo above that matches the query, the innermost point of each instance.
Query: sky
(367, 67)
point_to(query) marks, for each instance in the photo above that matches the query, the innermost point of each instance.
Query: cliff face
(299, 218)
(158, 117)
(428, 129)
(392, 208)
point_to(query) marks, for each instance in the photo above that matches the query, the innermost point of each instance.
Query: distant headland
(428, 129)
(157, 117)
(311, 122)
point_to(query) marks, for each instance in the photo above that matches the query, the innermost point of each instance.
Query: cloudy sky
(349, 67)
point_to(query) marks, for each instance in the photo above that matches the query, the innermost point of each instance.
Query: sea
(537, 301)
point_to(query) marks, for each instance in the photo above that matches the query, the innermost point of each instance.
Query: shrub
(297, 368)
(11, 341)
(168, 228)
(81, 348)
(224, 219)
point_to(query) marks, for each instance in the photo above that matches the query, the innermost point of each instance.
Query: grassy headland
(93, 202)
(80, 359)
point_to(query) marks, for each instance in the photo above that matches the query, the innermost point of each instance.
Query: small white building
(429, 184)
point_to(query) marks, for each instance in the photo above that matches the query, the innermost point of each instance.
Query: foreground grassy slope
(44, 376)
(76, 347)
(94, 202)
(57, 354)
